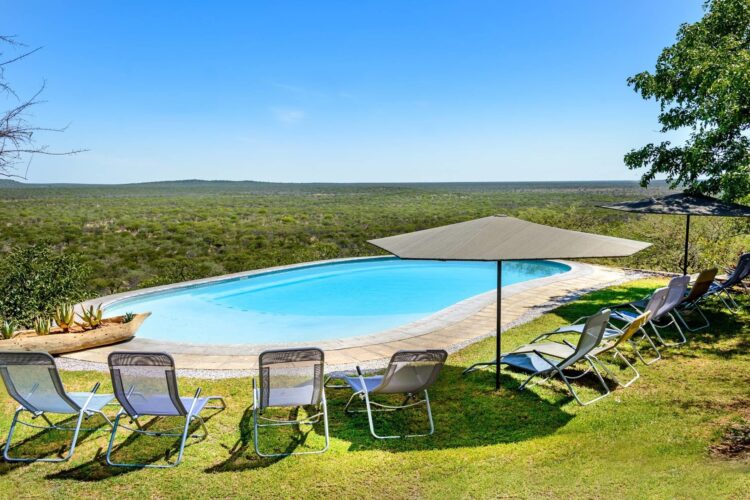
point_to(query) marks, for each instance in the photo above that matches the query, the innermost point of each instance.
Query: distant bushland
(130, 236)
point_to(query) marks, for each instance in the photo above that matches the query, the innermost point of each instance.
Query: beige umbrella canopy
(498, 238)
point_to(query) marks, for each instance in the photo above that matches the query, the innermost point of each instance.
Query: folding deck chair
(550, 359)
(692, 301)
(736, 278)
(289, 378)
(145, 384)
(32, 379)
(408, 373)
(612, 340)
(675, 294)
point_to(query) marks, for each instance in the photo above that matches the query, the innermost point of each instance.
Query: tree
(34, 280)
(702, 82)
(17, 140)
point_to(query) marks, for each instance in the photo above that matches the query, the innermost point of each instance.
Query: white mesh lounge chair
(408, 373)
(289, 378)
(661, 318)
(691, 304)
(32, 379)
(145, 384)
(550, 359)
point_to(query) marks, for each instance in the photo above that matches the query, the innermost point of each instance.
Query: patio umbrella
(499, 238)
(683, 204)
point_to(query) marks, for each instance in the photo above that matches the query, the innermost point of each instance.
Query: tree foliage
(702, 82)
(36, 279)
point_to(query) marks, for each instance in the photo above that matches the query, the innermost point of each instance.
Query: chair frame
(183, 435)
(652, 320)
(274, 422)
(83, 412)
(410, 401)
(554, 368)
(692, 303)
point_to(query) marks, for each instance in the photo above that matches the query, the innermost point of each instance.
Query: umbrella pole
(687, 242)
(498, 341)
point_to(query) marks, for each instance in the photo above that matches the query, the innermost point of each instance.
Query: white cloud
(288, 116)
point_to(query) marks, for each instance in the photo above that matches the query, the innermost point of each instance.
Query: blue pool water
(320, 302)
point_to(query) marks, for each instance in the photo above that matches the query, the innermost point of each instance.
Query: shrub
(35, 280)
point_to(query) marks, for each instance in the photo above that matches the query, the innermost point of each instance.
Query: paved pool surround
(452, 328)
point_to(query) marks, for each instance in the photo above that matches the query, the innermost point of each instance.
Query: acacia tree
(702, 82)
(17, 139)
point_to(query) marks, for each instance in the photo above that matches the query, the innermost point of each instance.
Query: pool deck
(453, 328)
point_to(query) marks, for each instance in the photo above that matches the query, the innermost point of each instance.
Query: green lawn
(651, 439)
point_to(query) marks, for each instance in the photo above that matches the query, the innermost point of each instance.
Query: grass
(650, 440)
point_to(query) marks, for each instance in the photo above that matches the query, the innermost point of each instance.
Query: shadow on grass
(137, 448)
(50, 443)
(242, 454)
(467, 412)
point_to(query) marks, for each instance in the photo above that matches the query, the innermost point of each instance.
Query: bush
(37, 279)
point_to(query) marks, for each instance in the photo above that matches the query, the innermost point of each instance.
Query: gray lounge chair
(661, 318)
(32, 379)
(614, 331)
(736, 278)
(691, 304)
(550, 359)
(289, 378)
(145, 384)
(408, 373)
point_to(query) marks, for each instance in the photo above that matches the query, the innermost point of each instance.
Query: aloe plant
(91, 318)
(128, 317)
(42, 325)
(64, 317)
(8, 328)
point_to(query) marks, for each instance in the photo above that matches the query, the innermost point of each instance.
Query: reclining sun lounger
(289, 378)
(549, 359)
(408, 373)
(692, 301)
(145, 384)
(32, 379)
(674, 296)
(736, 278)
(612, 340)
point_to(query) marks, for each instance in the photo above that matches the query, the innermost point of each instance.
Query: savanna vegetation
(133, 236)
(675, 433)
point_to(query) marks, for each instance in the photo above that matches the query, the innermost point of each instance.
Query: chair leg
(183, 440)
(674, 322)
(684, 322)
(73, 441)
(617, 353)
(371, 422)
(651, 343)
(257, 426)
(575, 395)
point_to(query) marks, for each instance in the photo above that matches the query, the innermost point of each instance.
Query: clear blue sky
(401, 90)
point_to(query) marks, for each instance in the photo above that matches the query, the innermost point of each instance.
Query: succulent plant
(91, 318)
(128, 317)
(64, 317)
(42, 325)
(8, 328)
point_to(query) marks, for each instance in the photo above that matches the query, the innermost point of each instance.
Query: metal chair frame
(274, 422)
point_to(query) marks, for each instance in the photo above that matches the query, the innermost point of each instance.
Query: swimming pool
(319, 302)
